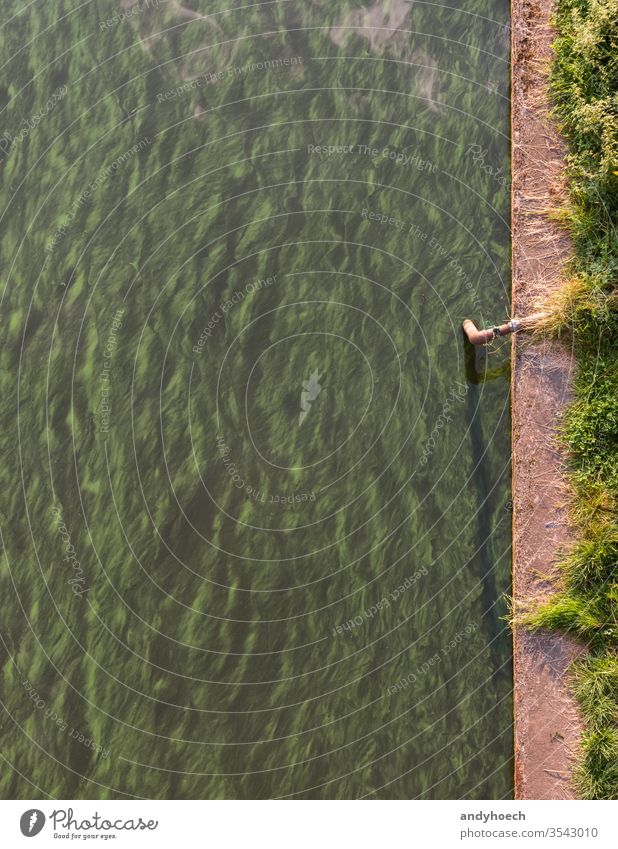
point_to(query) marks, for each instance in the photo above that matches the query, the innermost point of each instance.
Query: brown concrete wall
(547, 724)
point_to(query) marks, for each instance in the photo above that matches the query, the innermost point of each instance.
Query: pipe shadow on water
(477, 355)
(477, 373)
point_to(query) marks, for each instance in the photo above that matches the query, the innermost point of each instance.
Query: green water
(254, 505)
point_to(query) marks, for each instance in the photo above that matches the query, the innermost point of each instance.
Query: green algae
(262, 608)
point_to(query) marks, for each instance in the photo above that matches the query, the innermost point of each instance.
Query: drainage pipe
(483, 337)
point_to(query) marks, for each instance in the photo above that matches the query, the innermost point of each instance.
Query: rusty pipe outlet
(482, 337)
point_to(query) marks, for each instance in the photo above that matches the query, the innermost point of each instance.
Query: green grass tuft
(597, 773)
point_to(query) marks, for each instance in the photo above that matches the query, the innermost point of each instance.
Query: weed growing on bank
(584, 89)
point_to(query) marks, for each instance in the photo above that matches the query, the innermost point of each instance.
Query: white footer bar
(307, 824)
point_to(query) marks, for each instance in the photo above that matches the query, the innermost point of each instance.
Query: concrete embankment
(547, 723)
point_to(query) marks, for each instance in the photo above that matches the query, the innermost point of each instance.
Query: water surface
(255, 513)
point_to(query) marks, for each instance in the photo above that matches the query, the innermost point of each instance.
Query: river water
(256, 504)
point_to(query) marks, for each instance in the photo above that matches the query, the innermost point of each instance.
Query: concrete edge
(547, 725)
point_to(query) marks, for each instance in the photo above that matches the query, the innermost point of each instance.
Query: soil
(547, 723)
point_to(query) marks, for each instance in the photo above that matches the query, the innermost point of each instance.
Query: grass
(584, 90)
